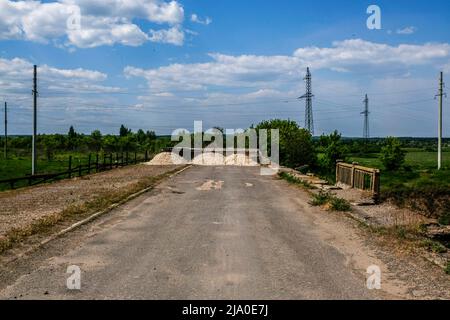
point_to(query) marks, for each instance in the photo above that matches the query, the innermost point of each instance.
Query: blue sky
(160, 65)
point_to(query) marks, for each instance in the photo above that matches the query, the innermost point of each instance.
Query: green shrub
(445, 219)
(392, 155)
(320, 198)
(338, 204)
(434, 246)
(447, 269)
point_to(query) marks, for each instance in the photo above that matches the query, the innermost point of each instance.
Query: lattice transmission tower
(366, 113)
(309, 120)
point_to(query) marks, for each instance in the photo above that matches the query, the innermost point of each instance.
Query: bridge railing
(359, 177)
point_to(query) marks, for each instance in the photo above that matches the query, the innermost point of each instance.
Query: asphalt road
(207, 233)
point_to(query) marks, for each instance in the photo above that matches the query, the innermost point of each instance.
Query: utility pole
(366, 113)
(309, 122)
(33, 152)
(441, 96)
(6, 130)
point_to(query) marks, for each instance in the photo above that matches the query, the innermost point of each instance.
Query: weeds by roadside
(291, 179)
(334, 203)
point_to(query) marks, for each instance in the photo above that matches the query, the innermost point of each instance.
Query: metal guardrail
(359, 177)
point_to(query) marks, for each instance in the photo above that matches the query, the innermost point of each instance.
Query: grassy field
(420, 168)
(419, 160)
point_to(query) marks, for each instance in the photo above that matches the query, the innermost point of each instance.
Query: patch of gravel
(20, 208)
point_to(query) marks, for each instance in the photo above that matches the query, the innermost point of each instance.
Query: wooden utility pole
(33, 152)
(6, 130)
(440, 94)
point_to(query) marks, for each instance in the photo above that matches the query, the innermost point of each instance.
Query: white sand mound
(166, 159)
(241, 160)
(209, 159)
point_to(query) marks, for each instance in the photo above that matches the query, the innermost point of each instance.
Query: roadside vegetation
(54, 150)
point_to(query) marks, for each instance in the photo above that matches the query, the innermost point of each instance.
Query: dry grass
(49, 224)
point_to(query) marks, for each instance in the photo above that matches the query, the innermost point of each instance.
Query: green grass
(417, 160)
(20, 166)
(420, 169)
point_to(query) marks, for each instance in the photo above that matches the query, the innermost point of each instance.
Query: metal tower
(366, 113)
(309, 122)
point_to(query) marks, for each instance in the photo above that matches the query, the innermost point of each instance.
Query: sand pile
(241, 160)
(166, 158)
(209, 159)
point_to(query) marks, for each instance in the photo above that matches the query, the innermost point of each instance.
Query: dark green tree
(392, 155)
(296, 147)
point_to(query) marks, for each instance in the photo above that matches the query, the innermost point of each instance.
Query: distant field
(423, 169)
(417, 160)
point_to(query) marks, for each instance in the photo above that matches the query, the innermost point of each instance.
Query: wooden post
(126, 158)
(122, 159)
(376, 185)
(117, 160)
(146, 155)
(79, 167)
(89, 164)
(110, 161)
(70, 167)
(352, 175)
(96, 162)
(135, 157)
(104, 162)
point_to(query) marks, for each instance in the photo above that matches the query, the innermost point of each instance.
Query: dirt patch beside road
(22, 211)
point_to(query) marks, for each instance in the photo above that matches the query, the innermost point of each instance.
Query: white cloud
(17, 74)
(102, 22)
(173, 36)
(195, 18)
(277, 71)
(407, 30)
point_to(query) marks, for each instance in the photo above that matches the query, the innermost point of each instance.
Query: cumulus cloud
(195, 18)
(277, 71)
(16, 75)
(173, 36)
(100, 22)
(407, 30)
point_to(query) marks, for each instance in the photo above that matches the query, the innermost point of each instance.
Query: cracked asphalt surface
(207, 233)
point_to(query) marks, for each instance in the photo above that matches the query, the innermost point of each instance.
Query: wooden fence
(359, 177)
(95, 164)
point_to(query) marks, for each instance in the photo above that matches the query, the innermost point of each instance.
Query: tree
(124, 131)
(392, 155)
(72, 138)
(96, 140)
(333, 150)
(51, 144)
(296, 147)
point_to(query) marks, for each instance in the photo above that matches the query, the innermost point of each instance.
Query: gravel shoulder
(23, 207)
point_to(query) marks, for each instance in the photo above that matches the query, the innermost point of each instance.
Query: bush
(320, 198)
(296, 146)
(392, 155)
(434, 246)
(338, 204)
(333, 150)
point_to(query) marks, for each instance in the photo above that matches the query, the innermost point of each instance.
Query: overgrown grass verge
(291, 179)
(47, 225)
(324, 198)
